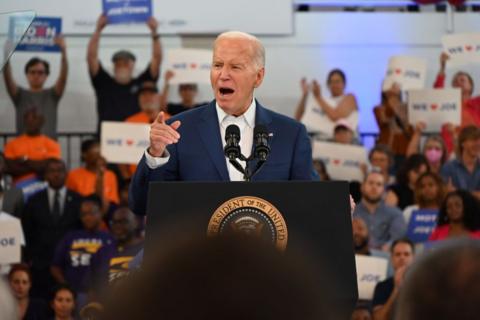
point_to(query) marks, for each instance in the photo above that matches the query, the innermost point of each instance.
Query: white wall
(359, 43)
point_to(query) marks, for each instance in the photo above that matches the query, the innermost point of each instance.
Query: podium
(311, 217)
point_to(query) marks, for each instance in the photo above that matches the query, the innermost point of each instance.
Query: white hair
(257, 47)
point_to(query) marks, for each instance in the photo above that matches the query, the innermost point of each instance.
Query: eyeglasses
(37, 72)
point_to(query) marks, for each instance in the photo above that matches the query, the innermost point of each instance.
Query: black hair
(35, 60)
(402, 240)
(413, 162)
(337, 72)
(88, 144)
(471, 214)
(61, 287)
(382, 148)
(94, 198)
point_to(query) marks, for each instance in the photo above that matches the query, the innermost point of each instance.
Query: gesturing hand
(162, 134)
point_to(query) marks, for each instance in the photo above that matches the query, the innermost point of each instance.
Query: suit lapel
(209, 132)
(262, 116)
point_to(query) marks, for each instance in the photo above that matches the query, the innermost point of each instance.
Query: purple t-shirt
(111, 263)
(74, 252)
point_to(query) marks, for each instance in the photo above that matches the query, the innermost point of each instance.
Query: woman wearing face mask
(470, 104)
(63, 303)
(429, 194)
(434, 148)
(459, 216)
(20, 281)
(337, 106)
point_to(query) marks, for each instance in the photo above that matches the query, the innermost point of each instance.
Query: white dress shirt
(51, 198)
(246, 123)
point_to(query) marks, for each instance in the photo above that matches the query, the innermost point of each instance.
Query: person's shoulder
(391, 210)
(281, 119)
(77, 172)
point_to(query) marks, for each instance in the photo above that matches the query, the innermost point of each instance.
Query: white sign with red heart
(434, 107)
(190, 65)
(124, 142)
(407, 72)
(343, 161)
(463, 48)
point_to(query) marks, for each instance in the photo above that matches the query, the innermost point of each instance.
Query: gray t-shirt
(46, 103)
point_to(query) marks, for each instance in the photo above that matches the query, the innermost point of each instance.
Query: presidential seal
(250, 216)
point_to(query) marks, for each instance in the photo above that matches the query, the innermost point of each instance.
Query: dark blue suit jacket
(199, 156)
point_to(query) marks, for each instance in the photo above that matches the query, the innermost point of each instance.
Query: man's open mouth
(226, 91)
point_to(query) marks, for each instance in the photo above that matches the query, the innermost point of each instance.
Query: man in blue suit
(189, 147)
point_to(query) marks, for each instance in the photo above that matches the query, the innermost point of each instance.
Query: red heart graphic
(434, 106)
(193, 65)
(468, 48)
(398, 71)
(336, 162)
(129, 142)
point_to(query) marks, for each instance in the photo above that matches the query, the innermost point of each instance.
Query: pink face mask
(433, 155)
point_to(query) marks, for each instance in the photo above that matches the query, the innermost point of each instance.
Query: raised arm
(62, 77)
(166, 87)
(440, 80)
(301, 104)
(414, 143)
(156, 48)
(343, 110)
(92, 50)
(12, 88)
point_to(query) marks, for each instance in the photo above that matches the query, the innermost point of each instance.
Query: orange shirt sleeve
(53, 149)
(110, 187)
(70, 183)
(9, 150)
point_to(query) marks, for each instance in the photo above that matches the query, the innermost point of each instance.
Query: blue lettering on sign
(5, 242)
(455, 50)
(412, 74)
(449, 106)
(205, 66)
(419, 106)
(180, 65)
(351, 163)
(143, 143)
(114, 142)
(369, 277)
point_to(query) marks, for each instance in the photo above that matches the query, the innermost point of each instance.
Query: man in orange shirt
(27, 154)
(149, 103)
(94, 177)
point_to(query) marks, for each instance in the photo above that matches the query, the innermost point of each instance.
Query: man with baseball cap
(117, 95)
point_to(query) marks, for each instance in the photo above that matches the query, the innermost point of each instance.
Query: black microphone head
(260, 129)
(232, 129)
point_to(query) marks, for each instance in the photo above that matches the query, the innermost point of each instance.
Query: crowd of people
(81, 236)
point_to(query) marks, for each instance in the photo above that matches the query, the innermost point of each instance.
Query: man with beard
(117, 95)
(361, 240)
(385, 224)
(386, 292)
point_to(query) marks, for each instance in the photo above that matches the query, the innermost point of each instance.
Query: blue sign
(40, 36)
(127, 11)
(422, 222)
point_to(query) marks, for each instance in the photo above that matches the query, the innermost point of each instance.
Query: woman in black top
(20, 281)
(401, 193)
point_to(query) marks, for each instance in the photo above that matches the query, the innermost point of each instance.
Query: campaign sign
(407, 72)
(370, 271)
(341, 160)
(463, 48)
(40, 36)
(124, 142)
(190, 65)
(435, 107)
(422, 222)
(11, 237)
(127, 11)
(316, 120)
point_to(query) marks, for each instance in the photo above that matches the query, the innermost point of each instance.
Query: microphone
(232, 139)
(260, 138)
